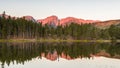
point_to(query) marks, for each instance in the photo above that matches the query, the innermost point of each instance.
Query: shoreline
(53, 40)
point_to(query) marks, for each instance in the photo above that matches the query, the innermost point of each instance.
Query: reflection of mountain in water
(21, 52)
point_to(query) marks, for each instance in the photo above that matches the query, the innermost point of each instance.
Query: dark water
(60, 55)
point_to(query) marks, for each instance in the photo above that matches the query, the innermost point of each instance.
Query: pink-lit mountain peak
(51, 19)
(29, 18)
(64, 21)
(75, 20)
(6, 16)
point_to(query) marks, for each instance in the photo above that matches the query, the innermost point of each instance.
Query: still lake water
(59, 55)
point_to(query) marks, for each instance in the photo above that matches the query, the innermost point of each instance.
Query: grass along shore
(54, 40)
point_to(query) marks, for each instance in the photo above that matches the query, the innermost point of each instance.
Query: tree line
(19, 28)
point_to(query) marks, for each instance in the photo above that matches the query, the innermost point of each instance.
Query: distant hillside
(106, 24)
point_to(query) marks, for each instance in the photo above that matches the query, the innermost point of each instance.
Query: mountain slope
(64, 21)
(29, 18)
(49, 20)
(106, 24)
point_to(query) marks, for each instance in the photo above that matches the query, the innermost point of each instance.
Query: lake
(59, 55)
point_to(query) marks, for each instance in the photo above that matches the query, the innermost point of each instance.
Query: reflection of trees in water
(114, 50)
(21, 52)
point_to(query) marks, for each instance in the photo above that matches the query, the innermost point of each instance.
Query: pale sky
(86, 9)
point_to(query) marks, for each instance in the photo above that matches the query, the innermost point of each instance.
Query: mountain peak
(49, 20)
(64, 21)
(6, 16)
(52, 16)
(29, 18)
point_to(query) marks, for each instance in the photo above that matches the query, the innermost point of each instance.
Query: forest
(12, 28)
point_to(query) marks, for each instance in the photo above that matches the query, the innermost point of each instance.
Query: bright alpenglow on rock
(59, 34)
